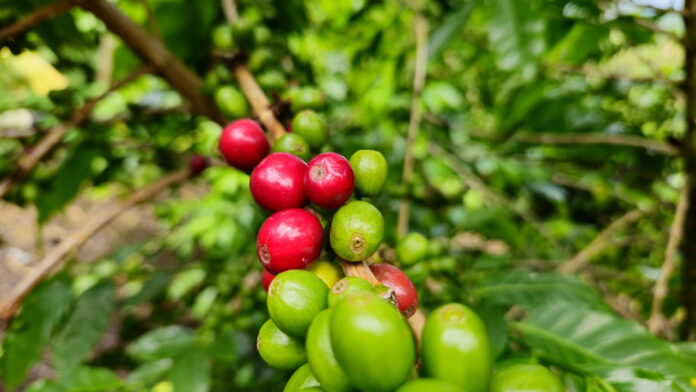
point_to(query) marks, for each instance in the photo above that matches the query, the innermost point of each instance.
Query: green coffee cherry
(243, 32)
(429, 385)
(357, 230)
(312, 127)
(223, 38)
(321, 357)
(294, 144)
(231, 102)
(455, 347)
(307, 98)
(272, 80)
(417, 272)
(295, 297)
(259, 58)
(328, 271)
(278, 349)
(412, 248)
(370, 170)
(346, 286)
(376, 359)
(301, 379)
(525, 377)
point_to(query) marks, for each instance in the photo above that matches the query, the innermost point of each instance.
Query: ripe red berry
(266, 278)
(395, 279)
(197, 164)
(277, 182)
(329, 180)
(243, 144)
(289, 239)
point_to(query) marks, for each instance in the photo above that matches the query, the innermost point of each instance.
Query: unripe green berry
(311, 127)
(294, 144)
(370, 170)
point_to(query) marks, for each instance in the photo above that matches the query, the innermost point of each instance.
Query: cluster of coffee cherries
(340, 333)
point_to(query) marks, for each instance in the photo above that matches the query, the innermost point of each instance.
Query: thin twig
(358, 269)
(259, 101)
(421, 28)
(253, 92)
(55, 135)
(597, 138)
(657, 320)
(599, 243)
(42, 14)
(10, 303)
(230, 9)
(490, 195)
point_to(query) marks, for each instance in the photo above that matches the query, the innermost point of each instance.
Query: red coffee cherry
(197, 164)
(329, 180)
(277, 182)
(395, 279)
(289, 239)
(266, 278)
(243, 144)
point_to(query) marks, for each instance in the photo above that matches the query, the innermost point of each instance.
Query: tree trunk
(688, 270)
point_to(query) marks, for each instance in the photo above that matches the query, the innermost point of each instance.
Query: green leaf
(151, 288)
(66, 182)
(149, 372)
(191, 372)
(448, 29)
(184, 282)
(528, 289)
(578, 338)
(84, 327)
(161, 343)
(90, 379)
(578, 44)
(31, 331)
(516, 35)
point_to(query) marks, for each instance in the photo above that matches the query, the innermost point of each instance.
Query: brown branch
(420, 72)
(490, 195)
(253, 92)
(230, 9)
(42, 14)
(358, 269)
(417, 322)
(259, 101)
(652, 26)
(55, 134)
(152, 51)
(599, 243)
(597, 138)
(10, 303)
(657, 321)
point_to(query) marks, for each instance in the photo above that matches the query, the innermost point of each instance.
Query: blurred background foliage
(501, 205)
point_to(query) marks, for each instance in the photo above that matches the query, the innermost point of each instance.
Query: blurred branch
(657, 321)
(259, 102)
(599, 243)
(358, 269)
(652, 26)
(490, 195)
(10, 303)
(42, 14)
(597, 138)
(421, 28)
(230, 9)
(55, 134)
(152, 51)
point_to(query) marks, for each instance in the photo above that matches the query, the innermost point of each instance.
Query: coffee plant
(408, 196)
